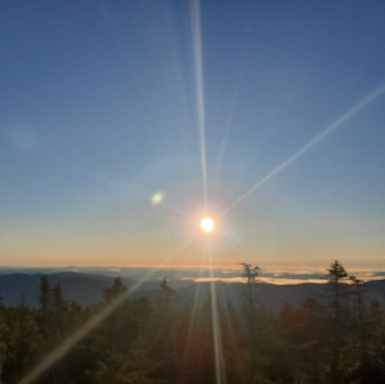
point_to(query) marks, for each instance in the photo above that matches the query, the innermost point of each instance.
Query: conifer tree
(361, 322)
(251, 312)
(45, 295)
(45, 310)
(337, 282)
(162, 330)
(3, 332)
(60, 311)
(114, 292)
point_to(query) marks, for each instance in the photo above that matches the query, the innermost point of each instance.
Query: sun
(207, 224)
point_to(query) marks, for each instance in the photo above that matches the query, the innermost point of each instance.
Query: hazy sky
(99, 112)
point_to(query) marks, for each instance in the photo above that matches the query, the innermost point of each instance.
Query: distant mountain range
(87, 289)
(84, 289)
(274, 297)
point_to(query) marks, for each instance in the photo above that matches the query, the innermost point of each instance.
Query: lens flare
(207, 224)
(72, 340)
(200, 100)
(157, 198)
(365, 102)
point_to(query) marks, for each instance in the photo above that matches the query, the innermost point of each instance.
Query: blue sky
(98, 112)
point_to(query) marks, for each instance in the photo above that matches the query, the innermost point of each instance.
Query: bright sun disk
(207, 224)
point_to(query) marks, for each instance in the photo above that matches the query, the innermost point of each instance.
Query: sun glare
(207, 224)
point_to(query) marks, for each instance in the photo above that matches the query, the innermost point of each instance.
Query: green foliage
(337, 273)
(134, 368)
(338, 340)
(250, 273)
(114, 292)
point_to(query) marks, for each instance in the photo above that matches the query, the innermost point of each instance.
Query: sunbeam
(218, 352)
(197, 41)
(194, 311)
(353, 111)
(234, 100)
(67, 345)
(229, 327)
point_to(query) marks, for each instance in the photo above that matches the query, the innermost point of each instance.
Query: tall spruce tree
(117, 290)
(361, 322)
(60, 311)
(45, 310)
(251, 312)
(338, 278)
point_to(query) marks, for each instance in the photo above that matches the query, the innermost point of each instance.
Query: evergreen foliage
(166, 341)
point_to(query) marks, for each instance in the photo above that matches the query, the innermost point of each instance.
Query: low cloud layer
(277, 277)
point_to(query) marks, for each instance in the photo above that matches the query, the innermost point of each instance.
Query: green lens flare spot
(157, 198)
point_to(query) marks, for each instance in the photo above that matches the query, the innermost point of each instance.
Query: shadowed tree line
(168, 340)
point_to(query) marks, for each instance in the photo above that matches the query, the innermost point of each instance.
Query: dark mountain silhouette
(274, 297)
(83, 289)
(86, 289)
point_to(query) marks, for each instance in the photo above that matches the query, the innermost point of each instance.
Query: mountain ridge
(87, 289)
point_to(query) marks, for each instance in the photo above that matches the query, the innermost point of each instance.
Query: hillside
(86, 289)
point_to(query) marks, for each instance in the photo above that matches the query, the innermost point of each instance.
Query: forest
(169, 340)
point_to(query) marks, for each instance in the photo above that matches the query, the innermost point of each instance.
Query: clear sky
(103, 105)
